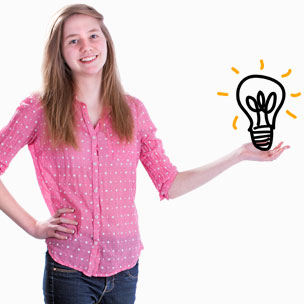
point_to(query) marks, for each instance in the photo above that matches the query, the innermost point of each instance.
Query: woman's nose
(85, 45)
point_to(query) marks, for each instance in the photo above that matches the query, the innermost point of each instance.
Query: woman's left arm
(189, 180)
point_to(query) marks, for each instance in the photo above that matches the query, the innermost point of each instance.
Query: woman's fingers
(279, 146)
(56, 226)
(63, 210)
(63, 220)
(63, 229)
(58, 236)
(54, 229)
(58, 219)
(276, 152)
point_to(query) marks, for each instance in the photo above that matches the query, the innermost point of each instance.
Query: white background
(238, 239)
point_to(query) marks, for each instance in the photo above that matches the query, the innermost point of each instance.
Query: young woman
(86, 137)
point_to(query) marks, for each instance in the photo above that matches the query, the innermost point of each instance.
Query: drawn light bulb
(261, 98)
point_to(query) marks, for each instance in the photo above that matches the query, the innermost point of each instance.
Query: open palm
(250, 152)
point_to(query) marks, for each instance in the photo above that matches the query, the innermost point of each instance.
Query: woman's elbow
(174, 190)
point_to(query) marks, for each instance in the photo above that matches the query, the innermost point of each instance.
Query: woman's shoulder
(131, 100)
(31, 107)
(33, 101)
(135, 104)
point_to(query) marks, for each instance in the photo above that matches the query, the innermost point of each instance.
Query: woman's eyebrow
(94, 30)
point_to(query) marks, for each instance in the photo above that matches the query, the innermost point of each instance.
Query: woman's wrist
(239, 154)
(31, 228)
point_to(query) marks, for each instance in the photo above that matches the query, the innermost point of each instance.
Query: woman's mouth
(88, 59)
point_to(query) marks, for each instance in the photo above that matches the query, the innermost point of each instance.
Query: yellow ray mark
(295, 95)
(235, 70)
(222, 94)
(286, 74)
(262, 64)
(234, 122)
(291, 114)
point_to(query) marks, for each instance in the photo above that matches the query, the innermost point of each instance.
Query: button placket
(95, 181)
(95, 196)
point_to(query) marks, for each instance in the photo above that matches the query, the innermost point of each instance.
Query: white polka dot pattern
(98, 180)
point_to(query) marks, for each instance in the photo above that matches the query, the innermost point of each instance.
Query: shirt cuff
(2, 168)
(164, 191)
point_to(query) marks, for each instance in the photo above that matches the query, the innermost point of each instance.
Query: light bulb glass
(261, 98)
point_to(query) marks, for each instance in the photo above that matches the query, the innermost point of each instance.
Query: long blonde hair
(58, 89)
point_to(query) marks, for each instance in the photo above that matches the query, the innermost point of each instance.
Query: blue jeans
(64, 285)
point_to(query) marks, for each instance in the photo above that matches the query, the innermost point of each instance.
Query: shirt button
(95, 190)
(94, 164)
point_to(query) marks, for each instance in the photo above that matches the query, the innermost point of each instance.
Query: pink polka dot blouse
(98, 180)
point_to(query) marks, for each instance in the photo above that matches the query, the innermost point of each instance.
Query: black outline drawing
(261, 136)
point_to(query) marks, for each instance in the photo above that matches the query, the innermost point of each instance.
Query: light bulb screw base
(262, 137)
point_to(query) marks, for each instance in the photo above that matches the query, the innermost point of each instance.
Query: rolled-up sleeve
(152, 155)
(20, 131)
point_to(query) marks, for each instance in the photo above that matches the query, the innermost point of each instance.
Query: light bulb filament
(262, 105)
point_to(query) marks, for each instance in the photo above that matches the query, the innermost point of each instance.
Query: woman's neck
(88, 90)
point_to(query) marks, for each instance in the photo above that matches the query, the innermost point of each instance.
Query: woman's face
(84, 46)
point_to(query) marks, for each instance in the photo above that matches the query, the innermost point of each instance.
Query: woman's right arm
(22, 130)
(37, 229)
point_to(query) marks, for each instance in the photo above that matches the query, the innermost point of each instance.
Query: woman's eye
(74, 41)
(94, 36)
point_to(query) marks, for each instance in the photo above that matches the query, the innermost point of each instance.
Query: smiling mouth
(88, 59)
